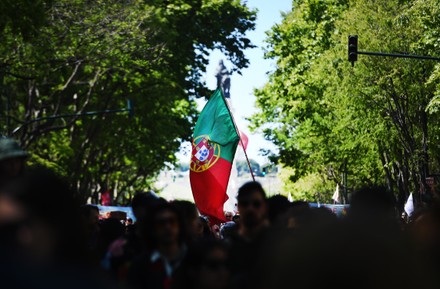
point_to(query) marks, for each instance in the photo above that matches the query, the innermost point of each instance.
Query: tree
(368, 122)
(23, 16)
(292, 99)
(93, 56)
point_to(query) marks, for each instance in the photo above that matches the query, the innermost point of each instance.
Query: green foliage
(369, 121)
(312, 187)
(92, 56)
(23, 16)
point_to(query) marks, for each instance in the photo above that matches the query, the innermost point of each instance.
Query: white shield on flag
(202, 154)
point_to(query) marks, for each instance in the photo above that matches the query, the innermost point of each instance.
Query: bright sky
(255, 76)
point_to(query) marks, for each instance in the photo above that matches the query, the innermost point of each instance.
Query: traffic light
(352, 48)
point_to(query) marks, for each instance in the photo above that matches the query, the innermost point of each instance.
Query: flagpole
(238, 133)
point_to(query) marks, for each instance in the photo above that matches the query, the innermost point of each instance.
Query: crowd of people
(50, 240)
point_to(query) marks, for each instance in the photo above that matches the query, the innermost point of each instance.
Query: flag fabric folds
(409, 205)
(106, 198)
(244, 140)
(289, 197)
(214, 144)
(337, 195)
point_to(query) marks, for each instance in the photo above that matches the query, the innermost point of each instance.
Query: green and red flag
(214, 145)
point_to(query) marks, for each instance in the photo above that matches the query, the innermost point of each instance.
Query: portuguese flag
(214, 145)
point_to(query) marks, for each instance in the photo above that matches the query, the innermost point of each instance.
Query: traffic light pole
(353, 52)
(129, 109)
(398, 55)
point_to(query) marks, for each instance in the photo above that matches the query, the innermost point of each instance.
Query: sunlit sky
(255, 76)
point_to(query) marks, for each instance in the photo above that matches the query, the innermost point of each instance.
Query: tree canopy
(92, 56)
(376, 122)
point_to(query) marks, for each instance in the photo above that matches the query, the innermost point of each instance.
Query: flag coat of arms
(214, 144)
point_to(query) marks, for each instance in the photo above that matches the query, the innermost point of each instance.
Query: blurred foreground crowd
(50, 240)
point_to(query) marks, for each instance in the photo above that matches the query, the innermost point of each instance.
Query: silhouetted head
(190, 215)
(372, 203)
(50, 216)
(252, 204)
(166, 225)
(278, 206)
(206, 266)
(143, 202)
